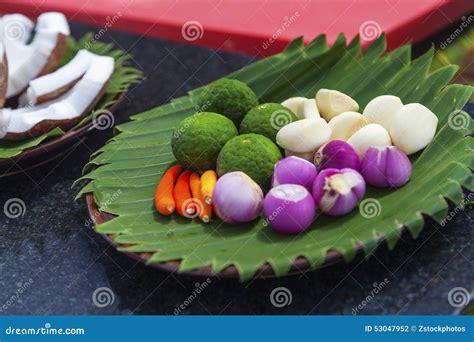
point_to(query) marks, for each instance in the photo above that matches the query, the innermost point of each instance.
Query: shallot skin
(237, 198)
(337, 154)
(289, 208)
(386, 167)
(294, 170)
(336, 192)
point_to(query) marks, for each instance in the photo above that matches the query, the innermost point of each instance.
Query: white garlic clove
(332, 102)
(309, 156)
(302, 107)
(413, 127)
(368, 136)
(304, 135)
(308, 110)
(293, 103)
(381, 110)
(344, 125)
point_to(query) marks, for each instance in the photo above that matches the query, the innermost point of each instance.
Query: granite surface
(51, 261)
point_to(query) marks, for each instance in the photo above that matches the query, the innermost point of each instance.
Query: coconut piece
(63, 112)
(42, 56)
(16, 27)
(50, 86)
(3, 75)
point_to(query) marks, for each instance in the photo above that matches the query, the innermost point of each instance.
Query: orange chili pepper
(204, 209)
(182, 196)
(208, 182)
(164, 200)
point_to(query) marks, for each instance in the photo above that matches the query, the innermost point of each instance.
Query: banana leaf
(122, 78)
(122, 175)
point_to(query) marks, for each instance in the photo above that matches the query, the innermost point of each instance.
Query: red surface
(247, 26)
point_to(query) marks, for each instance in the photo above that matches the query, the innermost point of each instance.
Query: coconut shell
(3, 79)
(56, 93)
(54, 59)
(45, 126)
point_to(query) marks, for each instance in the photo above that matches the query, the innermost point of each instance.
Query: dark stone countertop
(53, 249)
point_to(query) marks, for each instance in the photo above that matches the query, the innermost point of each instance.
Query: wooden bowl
(48, 150)
(300, 265)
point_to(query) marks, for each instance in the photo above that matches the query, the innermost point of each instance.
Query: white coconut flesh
(27, 61)
(69, 106)
(16, 27)
(57, 80)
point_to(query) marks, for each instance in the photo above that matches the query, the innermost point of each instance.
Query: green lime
(253, 154)
(267, 119)
(231, 98)
(198, 139)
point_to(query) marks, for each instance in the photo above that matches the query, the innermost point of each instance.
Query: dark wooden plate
(300, 265)
(48, 150)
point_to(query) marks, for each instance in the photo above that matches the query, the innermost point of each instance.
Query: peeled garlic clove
(332, 102)
(381, 110)
(368, 136)
(303, 108)
(344, 125)
(306, 155)
(305, 135)
(413, 127)
(293, 103)
(308, 110)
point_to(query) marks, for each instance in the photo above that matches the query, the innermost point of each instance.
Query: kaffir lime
(253, 154)
(267, 119)
(198, 139)
(231, 98)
